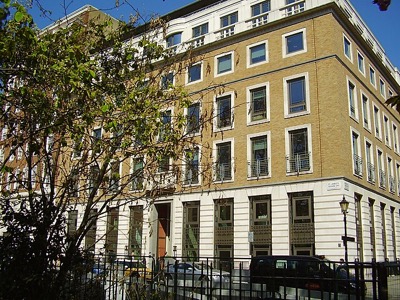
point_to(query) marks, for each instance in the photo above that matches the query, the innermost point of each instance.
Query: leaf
(19, 16)
(105, 108)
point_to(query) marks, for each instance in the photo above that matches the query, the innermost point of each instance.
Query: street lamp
(344, 205)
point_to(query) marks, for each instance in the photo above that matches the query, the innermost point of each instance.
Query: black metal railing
(113, 277)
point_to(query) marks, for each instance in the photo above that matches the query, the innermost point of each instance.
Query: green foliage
(59, 86)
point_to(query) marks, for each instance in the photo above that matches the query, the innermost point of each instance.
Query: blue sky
(384, 25)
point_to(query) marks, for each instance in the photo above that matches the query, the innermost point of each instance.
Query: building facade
(297, 92)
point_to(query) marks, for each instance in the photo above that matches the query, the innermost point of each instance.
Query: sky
(384, 25)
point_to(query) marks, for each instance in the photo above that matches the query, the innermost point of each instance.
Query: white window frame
(372, 79)
(286, 95)
(309, 145)
(232, 54)
(356, 115)
(109, 190)
(380, 162)
(366, 115)
(133, 160)
(173, 80)
(353, 132)
(186, 111)
(215, 156)
(397, 165)
(185, 167)
(371, 159)
(250, 150)
(386, 131)
(350, 56)
(390, 173)
(216, 128)
(361, 67)
(382, 87)
(377, 121)
(284, 43)
(249, 64)
(249, 103)
(395, 131)
(201, 73)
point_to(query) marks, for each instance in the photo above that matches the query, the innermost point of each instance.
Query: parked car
(304, 273)
(196, 273)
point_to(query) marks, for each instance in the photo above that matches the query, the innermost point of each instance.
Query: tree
(78, 105)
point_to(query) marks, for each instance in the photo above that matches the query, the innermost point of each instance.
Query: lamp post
(344, 205)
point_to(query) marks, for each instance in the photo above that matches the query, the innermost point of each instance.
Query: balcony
(293, 8)
(223, 171)
(358, 164)
(258, 168)
(391, 184)
(382, 179)
(191, 176)
(225, 32)
(298, 163)
(257, 21)
(370, 172)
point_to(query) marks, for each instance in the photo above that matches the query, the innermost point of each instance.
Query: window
(302, 209)
(72, 222)
(174, 39)
(258, 163)
(77, 148)
(137, 174)
(167, 81)
(352, 99)
(347, 48)
(360, 63)
(257, 54)
(382, 88)
(224, 111)
(372, 77)
(191, 175)
(395, 138)
(97, 140)
(112, 231)
(390, 174)
(223, 164)
(296, 95)
(357, 159)
(381, 170)
(73, 183)
(90, 237)
(227, 25)
(165, 127)
(200, 30)
(193, 118)
(294, 43)
(257, 103)
(365, 112)
(370, 162)
(163, 164)
(398, 178)
(194, 73)
(377, 121)
(260, 9)
(93, 178)
(260, 224)
(114, 176)
(386, 127)
(229, 19)
(135, 230)
(299, 157)
(224, 64)
(191, 229)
